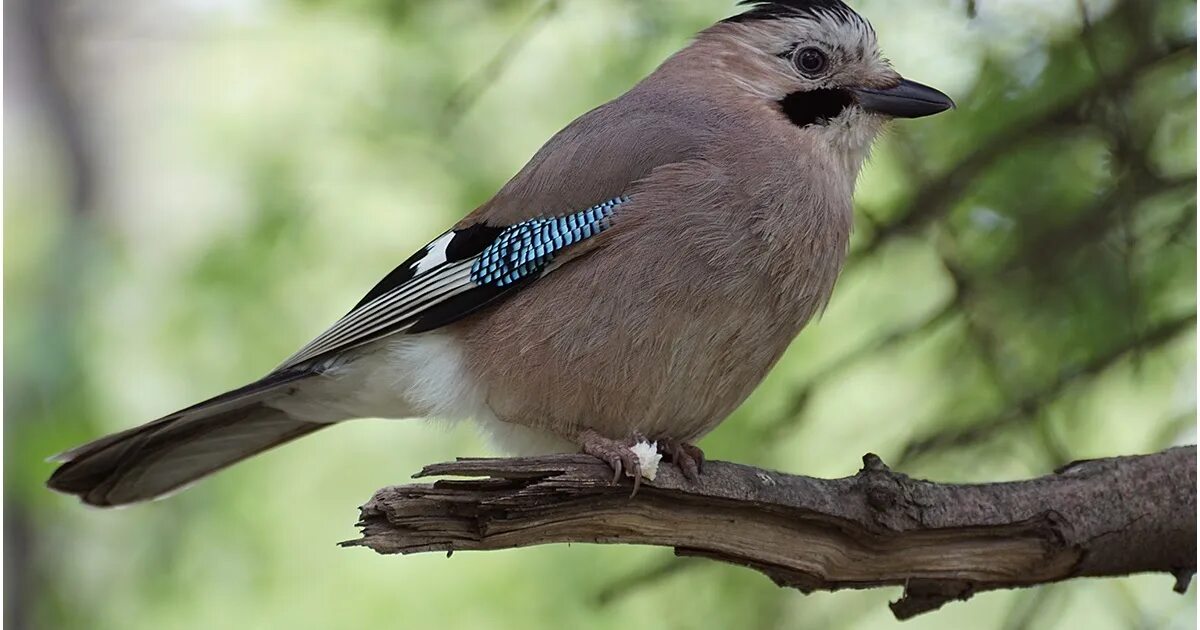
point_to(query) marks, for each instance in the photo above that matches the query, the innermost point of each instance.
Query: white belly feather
(418, 376)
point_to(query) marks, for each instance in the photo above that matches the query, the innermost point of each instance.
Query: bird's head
(817, 63)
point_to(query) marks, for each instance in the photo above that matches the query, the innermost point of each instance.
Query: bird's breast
(646, 338)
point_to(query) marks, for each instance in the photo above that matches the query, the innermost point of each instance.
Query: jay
(634, 281)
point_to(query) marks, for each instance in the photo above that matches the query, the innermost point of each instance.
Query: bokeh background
(193, 189)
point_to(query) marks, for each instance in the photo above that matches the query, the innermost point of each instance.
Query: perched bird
(635, 280)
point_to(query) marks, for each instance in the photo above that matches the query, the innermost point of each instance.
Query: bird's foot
(687, 456)
(619, 455)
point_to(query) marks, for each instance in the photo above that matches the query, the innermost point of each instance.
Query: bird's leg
(687, 456)
(617, 454)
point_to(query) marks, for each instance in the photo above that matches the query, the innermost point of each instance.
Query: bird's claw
(688, 457)
(616, 454)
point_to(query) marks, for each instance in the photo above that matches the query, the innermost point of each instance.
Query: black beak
(907, 100)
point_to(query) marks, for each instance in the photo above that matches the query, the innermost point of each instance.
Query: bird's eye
(811, 61)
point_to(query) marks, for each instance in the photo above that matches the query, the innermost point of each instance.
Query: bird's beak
(909, 99)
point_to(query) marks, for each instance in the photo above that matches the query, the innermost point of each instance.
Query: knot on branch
(887, 495)
(1183, 579)
(1052, 528)
(921, 596)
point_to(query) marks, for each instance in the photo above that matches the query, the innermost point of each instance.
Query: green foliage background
(193, 190)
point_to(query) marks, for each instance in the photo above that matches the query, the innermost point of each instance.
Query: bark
(941, 542)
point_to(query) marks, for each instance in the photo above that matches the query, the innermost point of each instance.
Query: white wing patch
(435, 254)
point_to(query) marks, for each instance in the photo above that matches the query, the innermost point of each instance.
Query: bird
(632, 283)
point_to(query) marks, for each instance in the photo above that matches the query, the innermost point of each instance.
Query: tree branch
(941, 542)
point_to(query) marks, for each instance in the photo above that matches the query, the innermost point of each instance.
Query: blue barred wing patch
(457, 274)
(528, 247)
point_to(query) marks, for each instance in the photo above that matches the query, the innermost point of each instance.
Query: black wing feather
(457, 274)
(463, 304)
(467, 243)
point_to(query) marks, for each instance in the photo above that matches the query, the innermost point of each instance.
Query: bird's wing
(602, 153)
(509, 241)
(458, 273)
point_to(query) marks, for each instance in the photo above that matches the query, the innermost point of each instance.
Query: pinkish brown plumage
(637, 279)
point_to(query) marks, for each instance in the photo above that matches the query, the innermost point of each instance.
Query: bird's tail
(156, 458)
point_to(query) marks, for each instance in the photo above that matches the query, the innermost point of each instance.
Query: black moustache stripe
(816, 107)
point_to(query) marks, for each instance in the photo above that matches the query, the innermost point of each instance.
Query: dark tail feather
(152, 460)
